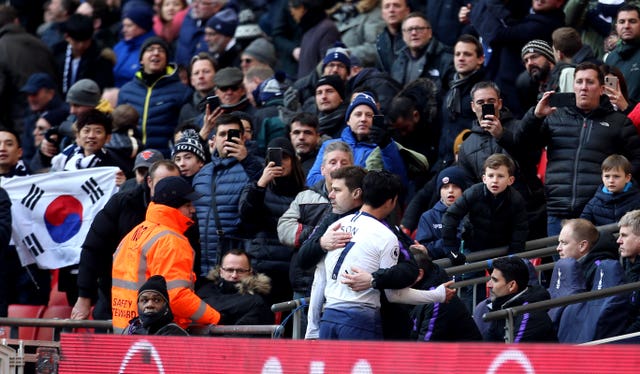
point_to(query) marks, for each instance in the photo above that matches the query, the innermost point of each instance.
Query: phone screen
(275, 154)
(233, 133)
(378, 121)
(488, 109)
(562, 99)
(213, 102)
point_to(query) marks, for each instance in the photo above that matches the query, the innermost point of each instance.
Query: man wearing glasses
(423, 56)
(229, 87)
(237, 292)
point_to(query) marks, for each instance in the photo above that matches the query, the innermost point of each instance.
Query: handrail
(69, 324)
(560, 301)
(286, 306)
(533, 248)
(56, 322)
(613, 339)
(274, 331)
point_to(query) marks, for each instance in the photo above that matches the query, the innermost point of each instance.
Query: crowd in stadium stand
(332, 150)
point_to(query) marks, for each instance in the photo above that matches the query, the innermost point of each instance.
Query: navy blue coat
(430, 231)
(605, 208)
(190, 40)
(158, 105)
(231, 176)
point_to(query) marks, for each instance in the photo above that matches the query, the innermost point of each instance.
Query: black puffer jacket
(260, 209)
(577, 143)
(494, 221)
(480, 145)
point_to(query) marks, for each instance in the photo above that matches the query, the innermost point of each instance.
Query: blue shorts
(355, 323)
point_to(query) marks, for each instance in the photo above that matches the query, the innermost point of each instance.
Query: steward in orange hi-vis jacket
(158, 246)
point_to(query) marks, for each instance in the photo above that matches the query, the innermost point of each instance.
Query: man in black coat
(239, 293)
(578, 138)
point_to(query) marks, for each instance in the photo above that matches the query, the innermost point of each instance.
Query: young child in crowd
(616, 196)
(451, 183)
(496, 213)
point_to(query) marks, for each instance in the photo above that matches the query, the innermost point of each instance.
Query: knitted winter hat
(538, 46)
(140, 13)
(272, 87)
(362, 98)
(262, 50)
(453, 174)
(224, 22)
(333, 81)
(155, 283)
(189, 142)
(155, 40)
(84, 92)
(338, 53)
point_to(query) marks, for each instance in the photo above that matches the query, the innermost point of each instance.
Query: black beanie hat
(156, 283)
(334, 81)
(155, 40)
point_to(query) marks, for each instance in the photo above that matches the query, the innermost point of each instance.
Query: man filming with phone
(220, 182)
(491, 118)
(578, 138)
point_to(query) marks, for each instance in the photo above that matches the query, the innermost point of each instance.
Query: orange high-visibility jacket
(157, 246)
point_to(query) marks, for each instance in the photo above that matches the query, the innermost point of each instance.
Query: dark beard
(541, 74)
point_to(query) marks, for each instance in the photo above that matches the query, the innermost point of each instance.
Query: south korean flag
(52, 212)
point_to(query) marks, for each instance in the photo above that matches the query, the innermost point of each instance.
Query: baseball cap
(36, 82)
(146, 158)
(174, 192)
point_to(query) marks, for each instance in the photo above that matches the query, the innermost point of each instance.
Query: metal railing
(510, 313)
(68, 325)
(476, 261)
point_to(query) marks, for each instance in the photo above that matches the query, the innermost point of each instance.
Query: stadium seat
(567, 279)
(54, 311)
(599, 318)
(25, 311)
(56, 297)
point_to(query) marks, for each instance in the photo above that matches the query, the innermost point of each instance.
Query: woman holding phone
(615, 87)
(261, 205)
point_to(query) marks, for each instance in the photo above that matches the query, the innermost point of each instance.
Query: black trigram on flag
(31, 199)
(31, 242)
(92, 189)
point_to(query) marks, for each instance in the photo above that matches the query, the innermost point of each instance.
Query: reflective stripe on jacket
(157, 246)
